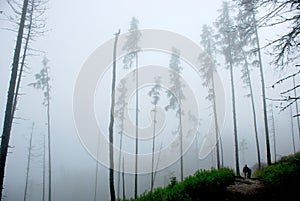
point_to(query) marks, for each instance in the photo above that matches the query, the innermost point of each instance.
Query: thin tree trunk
(120, 151)
(44, 167)
(23, 61)
(253, 112)
(274, 134)
(181, 144)
(153, 149)
(216, 122)
(295, 94)
(263, 92)
(136, 128)
(10, 98)
(237, 166)
(96, 176)
(49, 134)
(293, 133)
(28, 162)
(111, 125)
(123, 179)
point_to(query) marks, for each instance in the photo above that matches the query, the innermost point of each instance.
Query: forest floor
(254, 190)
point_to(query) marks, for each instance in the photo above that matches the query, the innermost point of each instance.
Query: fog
(74, 35)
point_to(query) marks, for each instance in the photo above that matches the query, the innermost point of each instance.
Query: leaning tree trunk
(111, 125)
(23, 61)
(10, 97)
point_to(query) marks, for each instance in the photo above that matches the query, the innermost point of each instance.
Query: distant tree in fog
(132, 48)
(226, 41)
(42, 83)
(208, 69)
(155, 94)
(176, 96)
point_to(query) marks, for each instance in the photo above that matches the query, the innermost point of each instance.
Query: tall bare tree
(42, 83)
(120, 113)
(208, 69)
(245, 57)
(111, 124)
(155, 94)
(132, 48)
(176, 96)
(28, 162)
(10, 97)
(226, 37)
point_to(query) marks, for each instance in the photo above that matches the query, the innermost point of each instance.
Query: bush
(202, 184)
(284, 173)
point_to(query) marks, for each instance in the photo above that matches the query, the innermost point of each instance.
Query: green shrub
(284, 173)
(202, 184)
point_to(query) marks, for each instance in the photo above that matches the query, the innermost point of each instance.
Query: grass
(201, 184)
(281, 180)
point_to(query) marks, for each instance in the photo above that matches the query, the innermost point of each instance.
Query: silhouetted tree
(42, 83)
(10, 97)
(226, 42)
(208, 69)
(155, 94)
(176, 95)
(132, 48)
(111, 124)
(121, 104)
(28, 162)
(245, 57)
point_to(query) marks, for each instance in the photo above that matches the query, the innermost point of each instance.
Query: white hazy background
(76, 29)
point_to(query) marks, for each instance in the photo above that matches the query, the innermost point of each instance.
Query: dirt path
(245, 189)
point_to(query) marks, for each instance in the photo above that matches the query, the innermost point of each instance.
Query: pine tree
(250, 13)
(42, 83)
(246, 57)
(208, 69)
(176, 96)
(155, 94)
(132, 49)
(226, 36)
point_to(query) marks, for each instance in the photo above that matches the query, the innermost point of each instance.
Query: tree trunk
(293, 133)
(216, 122)
(96, 176)
(181, 144)
(153, 149)
(253, 112)
(10, 98)
(120, 151)
(123, 179)
(44, 167)
(237, 165)
(28, 163)
(263, 93)
(111, 125)
(49, 134)
(23, 61)
(136, 128)
(295, 94)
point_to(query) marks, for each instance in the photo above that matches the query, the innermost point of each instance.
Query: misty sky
(74, 30)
